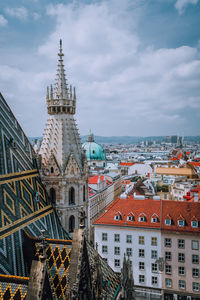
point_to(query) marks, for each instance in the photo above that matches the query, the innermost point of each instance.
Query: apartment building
(161, 238)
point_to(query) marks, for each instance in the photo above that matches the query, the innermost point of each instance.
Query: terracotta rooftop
(128, 164)
(149, 209)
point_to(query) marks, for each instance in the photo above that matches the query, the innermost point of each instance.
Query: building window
(168, 242)
(52, 194)
(195, 245)
(154, 280)
(141, 265)
(181, 284)
(141, 252)
(71, 224)
(104, 249)
(130, 218)
(71, 196)
(168, 269)
(168, 222)
(181, 244)
(154, 219)
(141, 240)
(168, 255)
(195, 272)
(118, 217)
(142, 219)
(181, 270)
(195, 286)
(154, 254)
(129, 251)
(117, 250)
(181, 257)
(52, 170)
(104, 236)
(154, 268)
(83, 193)
(195, 259)
(117, 237)
(141, 278)
(181, 223)
(129, 238)
(154, 241)
(194, 224)
(117, 263)
(168, 282)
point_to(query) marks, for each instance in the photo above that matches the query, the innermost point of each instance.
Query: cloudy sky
(135, 63)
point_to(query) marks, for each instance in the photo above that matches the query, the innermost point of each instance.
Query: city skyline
(135, 64)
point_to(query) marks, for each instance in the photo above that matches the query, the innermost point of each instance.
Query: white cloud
(3, 21)
(122, 87)
(36, 16)
(20, 13)
(180, 5)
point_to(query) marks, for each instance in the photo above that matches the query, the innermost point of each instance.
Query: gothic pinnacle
(47, 96)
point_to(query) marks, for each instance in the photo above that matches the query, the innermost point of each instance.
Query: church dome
(94, 151)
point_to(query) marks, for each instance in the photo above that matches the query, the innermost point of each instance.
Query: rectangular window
(129, 251)
(117, 237)
(168, 242)
(195, 272)
(104, 236)
(129, 238)
(195, 286)
(141, 253)
(168, 255)
(117, 250)
(168, 222)
(154, 254)
(141, 278)
(181, 257)
(181, 284)
(168, 282)
(195, 245)
(181, 223)
(154, 267)
(141, 240)
(194, 224)
(141, 265)
(154, 280)
(181, 244)
(181, 270)
(168, 269)
(104, 249)
(117, 263)
(154, 241)
(195, 259)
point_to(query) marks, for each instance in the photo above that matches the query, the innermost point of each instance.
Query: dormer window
(168, 222)
(154, 219)
(118, 216)
(181, 223)
(142, 218)
(194, 224)
(130, 217)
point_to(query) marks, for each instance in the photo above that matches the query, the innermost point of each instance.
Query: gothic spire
(61, 90)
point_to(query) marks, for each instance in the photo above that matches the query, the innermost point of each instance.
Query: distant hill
(127, 139)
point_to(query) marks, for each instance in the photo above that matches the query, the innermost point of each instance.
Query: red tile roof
(126, 164)
(195, 163)
(94, 179)
(177, 210)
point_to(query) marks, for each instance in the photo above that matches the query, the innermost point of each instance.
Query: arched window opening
(71, 224)
(52, 170)
(52, 195)
(71, 196)
(84, 193)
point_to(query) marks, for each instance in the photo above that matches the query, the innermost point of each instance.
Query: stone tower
(64, 167)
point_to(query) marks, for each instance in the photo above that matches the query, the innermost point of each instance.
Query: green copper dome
(94, 151)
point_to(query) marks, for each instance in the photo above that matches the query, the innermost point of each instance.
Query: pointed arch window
(71, 195)
(71, 224)
(84, 193)
(154, 218)
(52, 170)
(52, 195)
